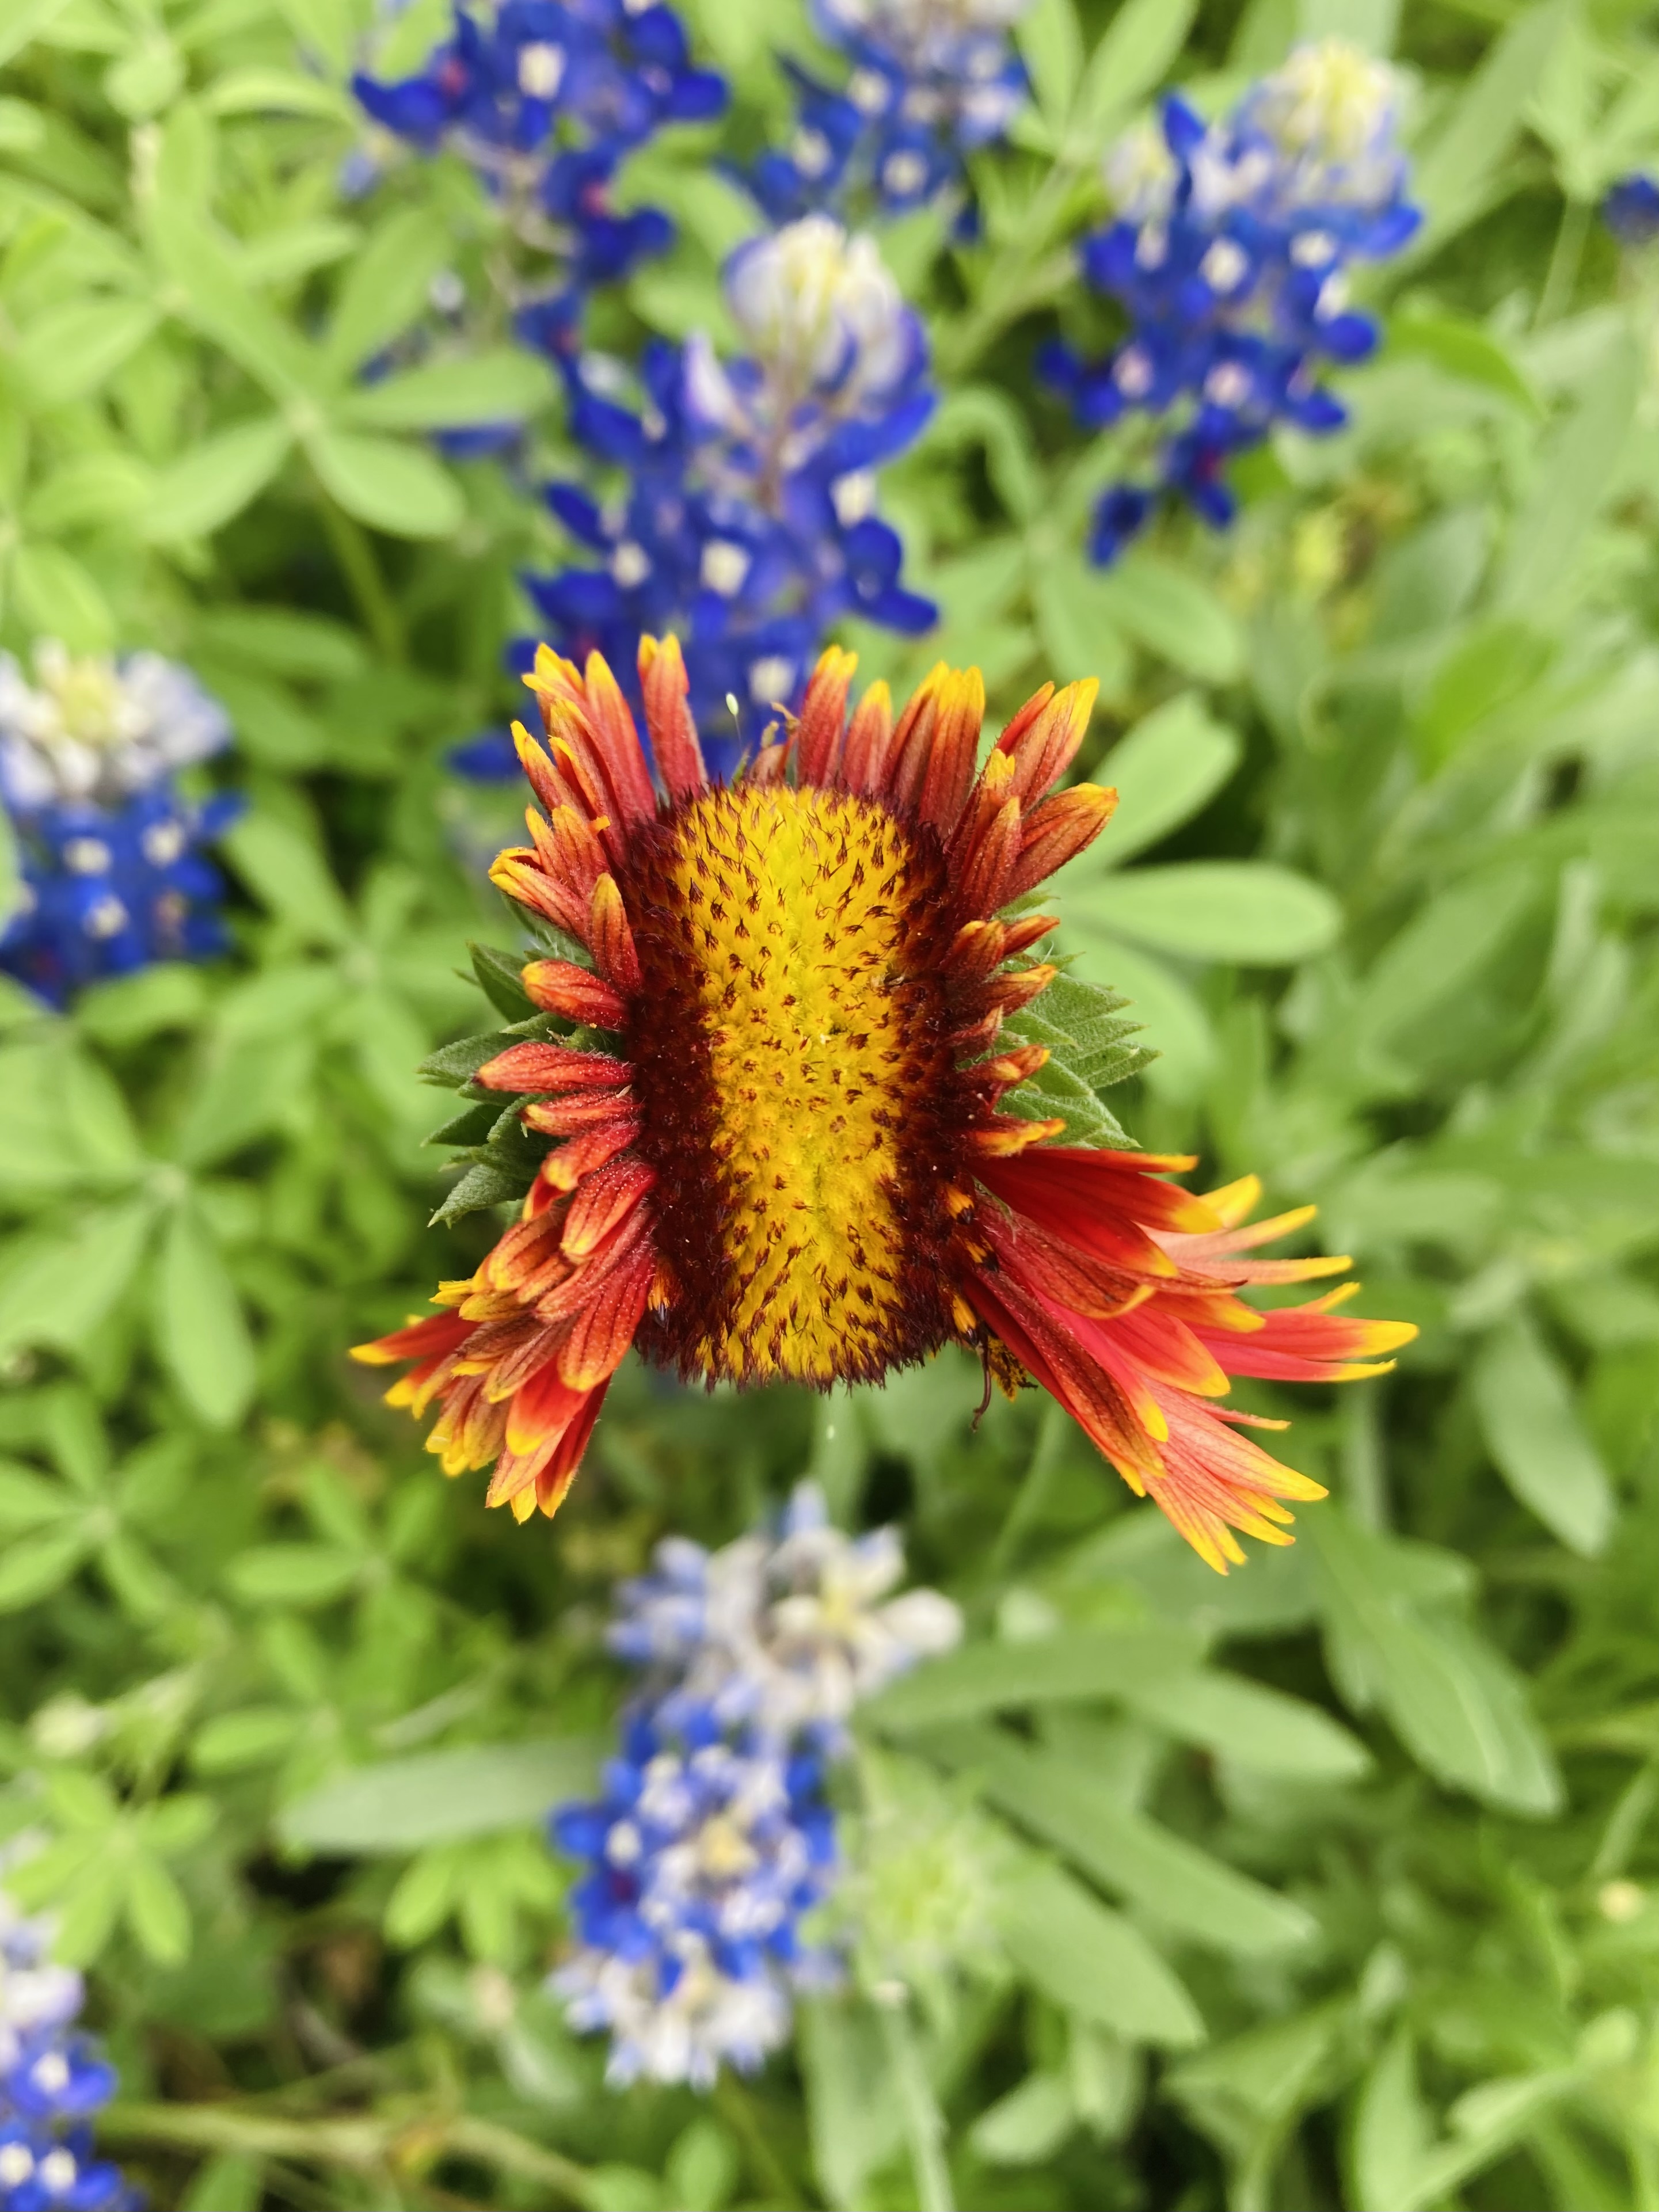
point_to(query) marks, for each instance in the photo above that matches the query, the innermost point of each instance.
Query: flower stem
(351, 549)
(737, 2108)
(366, 2143)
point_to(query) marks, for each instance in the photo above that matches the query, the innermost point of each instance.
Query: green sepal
(498, 973)
(1088, 1050)
(484, 1185)
(453, 1067)
(471, 1126)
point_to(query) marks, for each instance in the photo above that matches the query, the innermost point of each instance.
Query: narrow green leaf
(1074, 1664)
(1577, 474)
(386, 286)
(57, 597)
(1246, 911)
(1053, 1799)
(1536, 1439)
(1168, 767)
(213, 482)
(200, 1330)
(77, 345)
(288, 874)
(1140, 45)
(504, 385)
(392, 487)
(1090, 1961)
(1173, 614)
(57, 1287)
(156, 1911)
(1253, 1727)
(440, 1796)
(32, 1567)
(1453, 179)
(225, 308)
(294, 1574)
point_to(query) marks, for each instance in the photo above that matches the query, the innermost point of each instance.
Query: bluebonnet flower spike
(51, 2080)
(114, 876)
(544, 100)
(928, 82)
(1229, 253)
(712, 1840)
(748, 525)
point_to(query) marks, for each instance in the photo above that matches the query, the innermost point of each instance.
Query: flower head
(704, 1855)
(1229, 252)
(781, 1148)
(783, 1632)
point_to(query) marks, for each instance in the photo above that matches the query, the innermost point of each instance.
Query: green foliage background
(1333, 1883)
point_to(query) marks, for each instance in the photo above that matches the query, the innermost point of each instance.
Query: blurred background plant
(1333, 1883)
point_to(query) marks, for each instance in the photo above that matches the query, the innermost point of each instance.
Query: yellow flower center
(791, 926)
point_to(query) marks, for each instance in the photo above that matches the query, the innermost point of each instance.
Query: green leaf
(1457, 1707)
(74, 347)
(58, 598)
(28, 1500)
(1051, 47)
(1253, 1727)
(1028, 2125)
(1465, 348)
(262, 90)
(129, 1008)
(440, 1796)
(854, 2119)
(1578, 472)
(200, 1330)
(156, 1911)
(26, 20)
(1074, 608)
(215, 481)
(1453, 180)
(505, 386)
(1535, 1436)
(1090, 1961)
(214, 297)
(386, 287)
(32, 1567)
(1074, 1664)
(294, 1574)
(1391, 2131)
(1060, 1803)
(1169, 766)
(392, 487)
(1246, 911)
(56, 1287)
(1175, 615)
(289, 876)
(1140, 45)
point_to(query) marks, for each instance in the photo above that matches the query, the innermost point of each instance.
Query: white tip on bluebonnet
(785, 1632)
(94, 727)
(818, 307)
(35, 1993)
